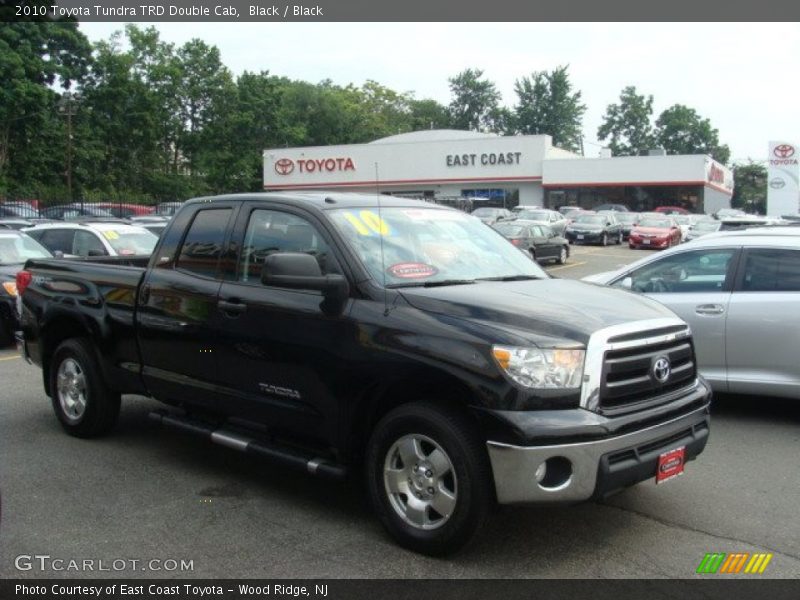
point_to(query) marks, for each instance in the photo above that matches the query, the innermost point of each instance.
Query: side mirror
(96, 253)
(58, 254)
(300, 271)
(627, 283)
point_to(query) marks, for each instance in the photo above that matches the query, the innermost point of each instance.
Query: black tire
(6, 334)
(532, 252)
(469, 480)
(101, 404)
(619, 240)
(563, 255)
(604, 241)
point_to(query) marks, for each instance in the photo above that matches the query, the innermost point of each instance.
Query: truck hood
(557, 308)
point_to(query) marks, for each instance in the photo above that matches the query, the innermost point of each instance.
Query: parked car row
(83, 210)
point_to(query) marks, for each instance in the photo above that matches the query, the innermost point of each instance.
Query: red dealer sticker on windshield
(411, 270)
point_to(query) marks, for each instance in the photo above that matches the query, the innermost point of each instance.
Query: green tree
(546, 104)
(35, 58)
(627, 124)
(476, 102)
(680, 130)
(750, 187)
(244, 124)
(203, 78)
(428, 114)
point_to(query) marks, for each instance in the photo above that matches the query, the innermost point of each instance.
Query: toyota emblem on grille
(284, 166)
(661, 369)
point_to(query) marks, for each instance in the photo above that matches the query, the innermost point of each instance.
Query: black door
(177, 304)
(278, 349)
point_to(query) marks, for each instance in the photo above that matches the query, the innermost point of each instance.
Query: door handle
(709, 309)
(231, 308)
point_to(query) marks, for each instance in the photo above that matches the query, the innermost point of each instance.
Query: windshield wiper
(510, 278)
(431, 283)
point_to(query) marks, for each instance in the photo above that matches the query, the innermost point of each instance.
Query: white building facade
(506, 170)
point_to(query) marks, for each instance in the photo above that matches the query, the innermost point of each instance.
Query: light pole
(67, 107)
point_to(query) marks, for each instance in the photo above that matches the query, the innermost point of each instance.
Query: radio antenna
(380, 233)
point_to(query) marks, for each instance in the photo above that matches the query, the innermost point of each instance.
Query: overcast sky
(744, 77)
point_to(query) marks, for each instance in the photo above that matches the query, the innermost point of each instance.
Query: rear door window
(58, 240)
(771, 270)
(202, 246)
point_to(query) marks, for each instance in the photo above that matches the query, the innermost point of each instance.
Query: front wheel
(604, 241)
(563, 255)
(620, 240)
(428, 477)
(532, 252)
(82, 401)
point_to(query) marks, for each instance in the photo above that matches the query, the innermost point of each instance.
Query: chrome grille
(629, 374)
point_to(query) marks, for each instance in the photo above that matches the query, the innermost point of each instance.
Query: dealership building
(446, 163)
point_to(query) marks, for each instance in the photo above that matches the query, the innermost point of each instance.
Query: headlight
(11, 288)
(541, 368)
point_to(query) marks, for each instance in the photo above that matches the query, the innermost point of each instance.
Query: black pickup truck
(406, 341)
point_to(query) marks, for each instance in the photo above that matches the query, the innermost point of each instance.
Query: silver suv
(740, 292)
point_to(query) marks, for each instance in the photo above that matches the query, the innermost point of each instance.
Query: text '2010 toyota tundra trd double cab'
(338, 334)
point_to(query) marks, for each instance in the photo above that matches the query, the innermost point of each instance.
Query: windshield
(706, 226)
(16, 249)
(96, 212)
(509, 230)
(22, 210)
(626, 217)
(660, 223)
(590, 219)
(485, 212)
(127, 243)
(423, 246)
(534, 215)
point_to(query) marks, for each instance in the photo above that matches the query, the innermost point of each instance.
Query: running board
(283, 455)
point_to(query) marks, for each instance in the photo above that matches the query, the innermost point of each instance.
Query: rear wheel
(429, 478)
(6, 333)
(563, 254)
(83, 403)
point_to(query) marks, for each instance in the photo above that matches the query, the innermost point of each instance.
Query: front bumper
(586, 237)
(597, 468)
(648, 242)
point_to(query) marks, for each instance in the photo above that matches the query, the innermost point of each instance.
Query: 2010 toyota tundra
(341, 334)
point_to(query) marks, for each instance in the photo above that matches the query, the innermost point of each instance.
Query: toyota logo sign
(777, 183)
(783, 151)
(284, 166)
(661, 369)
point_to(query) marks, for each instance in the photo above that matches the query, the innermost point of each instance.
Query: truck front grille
(634, 369)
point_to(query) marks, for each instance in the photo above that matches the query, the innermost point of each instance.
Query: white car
(739, 291)
(94, 239)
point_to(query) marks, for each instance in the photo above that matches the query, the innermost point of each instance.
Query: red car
(672, 210)
(654, 232)
(123, 210)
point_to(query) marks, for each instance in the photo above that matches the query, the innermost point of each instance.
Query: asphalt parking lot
(144, 493)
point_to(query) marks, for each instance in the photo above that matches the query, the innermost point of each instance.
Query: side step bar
(282, 455)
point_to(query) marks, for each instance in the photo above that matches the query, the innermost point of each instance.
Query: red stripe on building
(638, 184)
(286, 186)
